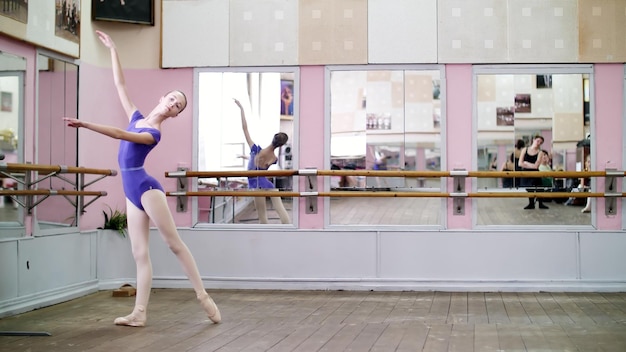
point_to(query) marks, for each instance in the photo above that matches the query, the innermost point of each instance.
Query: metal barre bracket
(181, 186)
(307, 172)
(311, 187)
(459, 195)
(610, 191)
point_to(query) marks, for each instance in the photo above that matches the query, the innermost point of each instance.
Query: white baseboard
(46, 298)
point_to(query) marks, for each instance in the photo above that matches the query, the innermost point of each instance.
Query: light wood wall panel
(543, 31)
(263, 32)
(472, 31)
(326, 32)
(332, 32)
(602, 30)
(402, 31)
(193, 35)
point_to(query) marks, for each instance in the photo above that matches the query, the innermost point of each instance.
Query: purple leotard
(131, 157)
(258, 182)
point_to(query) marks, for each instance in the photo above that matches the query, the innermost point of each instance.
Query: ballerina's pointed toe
(210, 308)
(129, 321)
(136, 319)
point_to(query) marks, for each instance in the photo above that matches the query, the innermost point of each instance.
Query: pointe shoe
(136, 319)
(542, 206)
(529, 206)
(586, 210)
(209, 306)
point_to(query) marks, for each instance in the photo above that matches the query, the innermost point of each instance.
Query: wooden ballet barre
(28, 175)
(384, 173)
(305, 172)
(390, 194)
(538, 194)
(224, 193)
(539, 174)
(225, 174)
(393, 173)
(50, 192)
(14, 167)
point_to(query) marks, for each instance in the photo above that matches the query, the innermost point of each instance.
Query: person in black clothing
(519, 145)
(509, 165)
(529, 161)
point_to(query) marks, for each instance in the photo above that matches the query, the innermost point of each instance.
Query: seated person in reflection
(380, 163)
(262, 159)
(583, 186)
(494, 164)
(508, 165)
(519, 145)
(530, 161)
(349, 181)
(545, 165)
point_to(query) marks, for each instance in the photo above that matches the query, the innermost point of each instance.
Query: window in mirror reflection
(385, 119)
(267, 102)
(542, 117)
(12, 70)
(57, 82)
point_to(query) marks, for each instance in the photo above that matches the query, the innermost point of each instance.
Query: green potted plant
(115, 220)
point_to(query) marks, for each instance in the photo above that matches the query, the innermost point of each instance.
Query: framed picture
(6, 101)
(67, 20)
(286, 98)
(522, 103)
(505, 116)
(544, 81)
(17, 10)
(130, 11)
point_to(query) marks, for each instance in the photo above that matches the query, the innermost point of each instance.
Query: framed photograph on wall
(286, 99)
(67, 20)
(130, 11)
(17, 10)
(522, 103)
(6, 101)
(505, 116)
(544, 81)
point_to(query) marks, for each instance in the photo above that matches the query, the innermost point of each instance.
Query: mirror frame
(12, 229)
(293, 140)
(442, 140)
(37, 231)
(523, 69)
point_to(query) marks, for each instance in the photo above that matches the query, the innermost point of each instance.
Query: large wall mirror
(513, 107)
(385, 119)
(12, 71)
(57, 96)
(269, 100)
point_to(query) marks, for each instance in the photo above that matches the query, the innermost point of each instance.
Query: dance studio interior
(411, 227)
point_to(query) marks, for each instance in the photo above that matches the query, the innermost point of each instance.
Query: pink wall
(99, 103)
(458, 136)
(608, 123)
(311, 135)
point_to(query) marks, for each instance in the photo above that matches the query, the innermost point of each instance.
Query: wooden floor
(331, 321)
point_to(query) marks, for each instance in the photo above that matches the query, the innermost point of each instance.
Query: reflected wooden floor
(255, 320)
(8, 209)
(427, 211)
